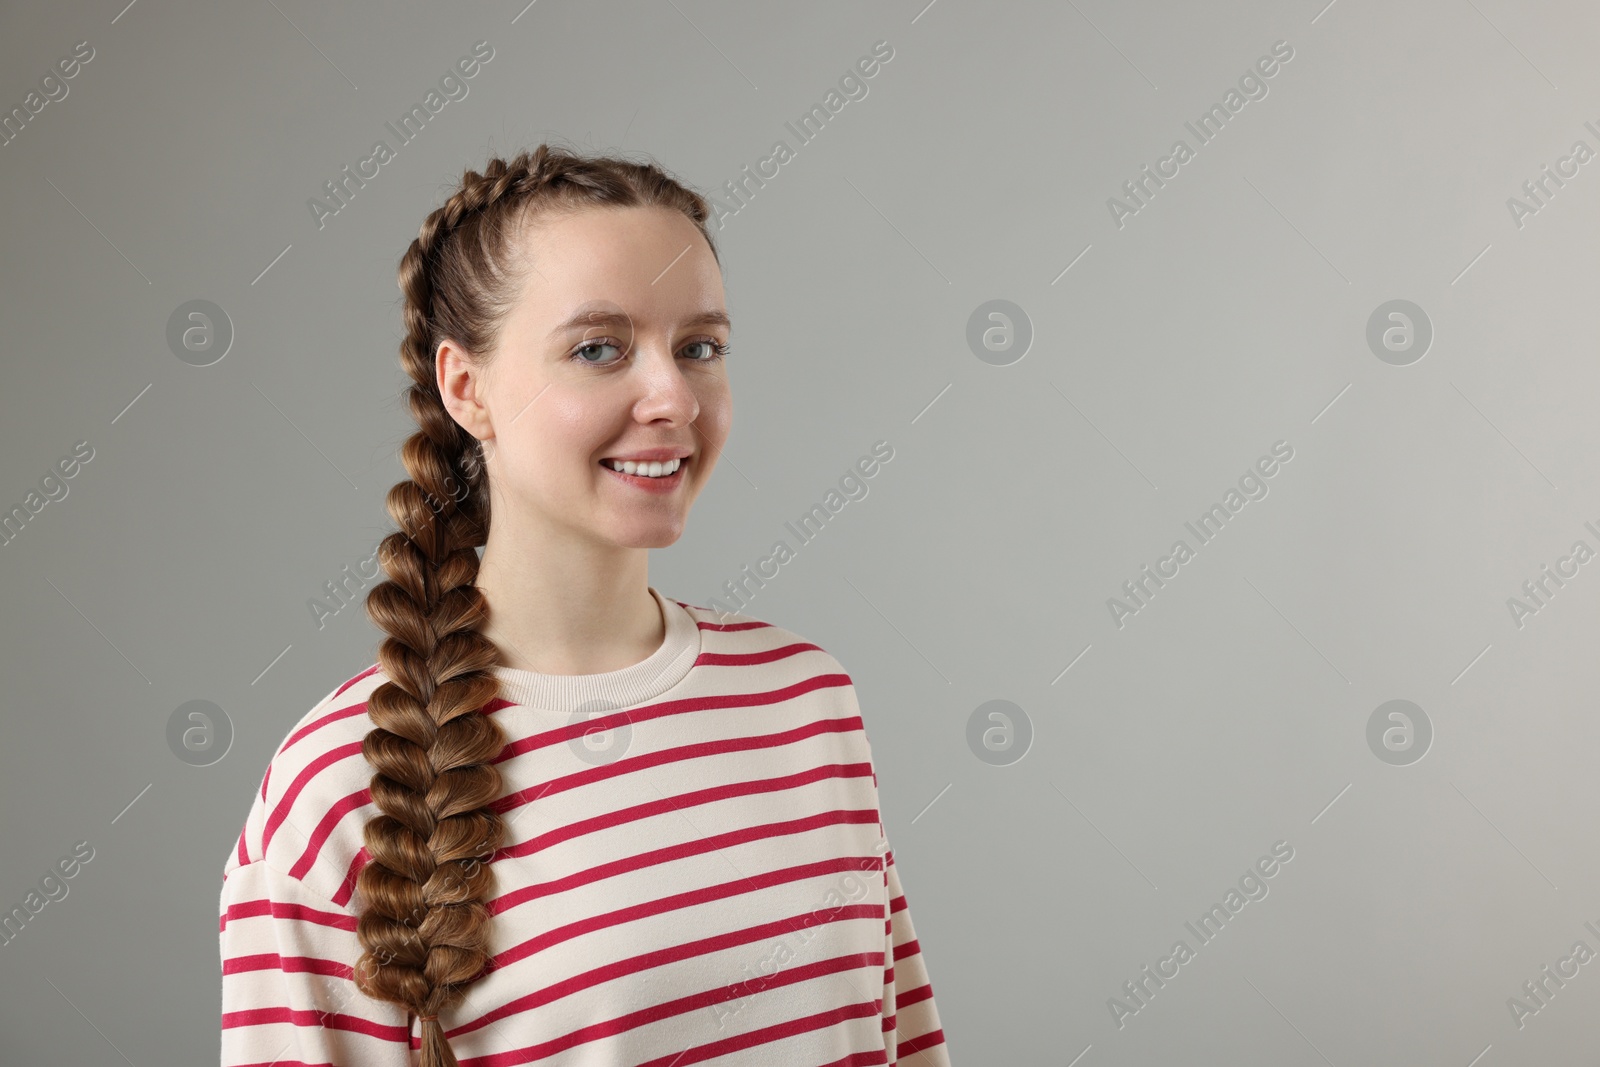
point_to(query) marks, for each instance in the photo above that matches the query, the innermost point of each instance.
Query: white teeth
(645, 470)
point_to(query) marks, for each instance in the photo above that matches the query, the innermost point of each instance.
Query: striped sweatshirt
(694, 871)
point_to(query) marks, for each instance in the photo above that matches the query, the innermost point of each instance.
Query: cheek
(545, 446)
(716, 413)
(562, 429)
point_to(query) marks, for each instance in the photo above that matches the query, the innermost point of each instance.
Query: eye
(603, 342)
(718, 351)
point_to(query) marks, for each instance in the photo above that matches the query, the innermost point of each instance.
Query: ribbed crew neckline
(650, 677)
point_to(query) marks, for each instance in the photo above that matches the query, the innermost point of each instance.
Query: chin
(648, 535)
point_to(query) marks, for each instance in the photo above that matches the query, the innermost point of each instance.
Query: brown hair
(429, 871)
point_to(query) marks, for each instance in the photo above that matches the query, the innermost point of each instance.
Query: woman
(564, 818)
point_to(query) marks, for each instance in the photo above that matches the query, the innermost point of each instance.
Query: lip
(657, 486)
(654, 455)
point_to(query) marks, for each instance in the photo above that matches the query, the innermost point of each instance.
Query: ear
(461, 384)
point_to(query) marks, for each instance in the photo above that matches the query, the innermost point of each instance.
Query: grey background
(1230, 313)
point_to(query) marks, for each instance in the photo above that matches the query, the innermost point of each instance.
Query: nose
(664, 391)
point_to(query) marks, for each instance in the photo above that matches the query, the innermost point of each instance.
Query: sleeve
(911, 1029)
(289, 996)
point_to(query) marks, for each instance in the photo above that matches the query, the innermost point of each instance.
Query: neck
(578, 611)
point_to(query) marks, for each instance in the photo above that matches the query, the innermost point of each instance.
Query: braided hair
(424, 919)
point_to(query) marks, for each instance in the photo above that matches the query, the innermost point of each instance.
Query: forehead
(650, 262)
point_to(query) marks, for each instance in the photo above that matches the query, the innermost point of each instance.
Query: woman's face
(611, 351)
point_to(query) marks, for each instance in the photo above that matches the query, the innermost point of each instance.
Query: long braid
(424, 889)
(424, 926)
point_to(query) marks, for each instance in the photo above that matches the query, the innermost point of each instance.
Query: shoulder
(743, 654)
(316, 777)
(725, 633)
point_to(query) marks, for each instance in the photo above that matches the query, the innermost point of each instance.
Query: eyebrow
(589, 316)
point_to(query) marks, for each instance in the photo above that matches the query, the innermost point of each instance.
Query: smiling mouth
(667, 468)
(660, 484)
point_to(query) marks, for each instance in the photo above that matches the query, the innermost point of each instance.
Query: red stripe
(369, 672)
(316, 724)
(906, 948)
(250, 909)
(684, 850)
(917, 1044)
(763, 983)
(511, 801)
(320, 1019)
(271, 961)
(673, 902)
(765, 1035)
(680, 802)
(301, 780)
(325, 826)
(628, 716)
(729, 627)
(659, 957)
(347, 888)
(913, 996)
(766, 655)
(655, 1013)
